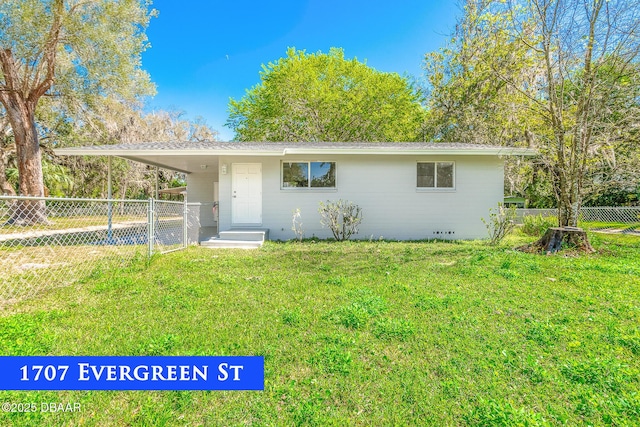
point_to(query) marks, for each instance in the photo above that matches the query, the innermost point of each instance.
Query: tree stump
(553, 239)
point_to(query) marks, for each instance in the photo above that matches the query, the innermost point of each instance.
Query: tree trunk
(19, 94)
(6, 189)
(568, 212)
(31, 183)
(554, 238)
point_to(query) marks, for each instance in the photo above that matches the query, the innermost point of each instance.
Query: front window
(295, 174)
(435, 175)
(308, 174)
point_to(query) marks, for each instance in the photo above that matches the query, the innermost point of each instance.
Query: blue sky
(204, 52)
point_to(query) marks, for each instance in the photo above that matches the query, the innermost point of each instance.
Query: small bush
(296, 225)
(500, 223)
(537, 225)
(342, 217)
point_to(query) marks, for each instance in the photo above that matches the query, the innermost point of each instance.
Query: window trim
(309, 187)
(435, 178)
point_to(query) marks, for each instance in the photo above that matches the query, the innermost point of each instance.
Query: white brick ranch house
(407, 191)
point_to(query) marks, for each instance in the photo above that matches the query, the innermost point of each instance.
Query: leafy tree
(109, 121)
(613, 175)
(587, 47)
(57, 180)
(467, 102)
(325, 97)
(81, 50)
(557, 75)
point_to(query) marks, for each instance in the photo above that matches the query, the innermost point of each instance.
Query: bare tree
(587, 48)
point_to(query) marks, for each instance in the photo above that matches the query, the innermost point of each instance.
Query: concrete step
(257, 235)
(238, 238)
(228, 243)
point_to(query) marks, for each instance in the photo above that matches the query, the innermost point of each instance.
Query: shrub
(296, 226)
(537, 225)
(341, 217)
(500, 223)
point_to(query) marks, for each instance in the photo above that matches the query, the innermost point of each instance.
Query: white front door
(246, 193)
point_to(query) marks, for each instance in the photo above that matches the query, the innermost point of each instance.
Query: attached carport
(187, 158)
(190, 158)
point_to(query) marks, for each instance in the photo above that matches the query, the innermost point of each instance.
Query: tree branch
(49, 54)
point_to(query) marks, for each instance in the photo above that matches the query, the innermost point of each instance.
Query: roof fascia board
(163, 152)
(417, 152)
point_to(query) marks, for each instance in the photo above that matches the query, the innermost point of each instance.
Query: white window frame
(435, 178)
(308, 188)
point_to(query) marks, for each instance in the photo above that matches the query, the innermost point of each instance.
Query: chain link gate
(51, 242)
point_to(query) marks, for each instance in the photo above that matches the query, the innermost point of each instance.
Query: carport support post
(109, 203)
(150, 226)
(185, 219)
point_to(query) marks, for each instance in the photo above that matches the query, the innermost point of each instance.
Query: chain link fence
(618, 219)
(51, 242)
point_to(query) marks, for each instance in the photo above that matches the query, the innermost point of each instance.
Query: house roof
(184, 156)
(283, 148)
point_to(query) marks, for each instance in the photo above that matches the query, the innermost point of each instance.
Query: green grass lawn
(357, 333)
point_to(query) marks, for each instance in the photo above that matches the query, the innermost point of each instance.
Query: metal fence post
(150, 227)
(110, 220)
(185, 217)
(109, 203)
